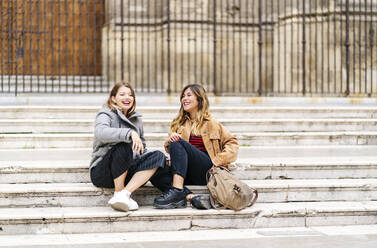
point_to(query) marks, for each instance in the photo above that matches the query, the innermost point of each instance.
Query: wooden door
(51, 37)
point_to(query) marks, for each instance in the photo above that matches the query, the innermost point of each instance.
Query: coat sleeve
(229, 148)
(107, 134)
(142, 135)
(182, 130)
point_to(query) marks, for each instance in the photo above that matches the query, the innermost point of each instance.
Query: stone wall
(325, 49)
(143, 33)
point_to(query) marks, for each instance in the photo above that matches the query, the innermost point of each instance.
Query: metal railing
(242, 47)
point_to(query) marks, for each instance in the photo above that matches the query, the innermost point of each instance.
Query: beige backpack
(226, 191)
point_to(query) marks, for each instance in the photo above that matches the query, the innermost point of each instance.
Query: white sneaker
(132, 203)
(122, 201)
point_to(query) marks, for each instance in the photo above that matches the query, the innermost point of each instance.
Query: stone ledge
(97, 99)
(104, 219)
(76, 171)
(333, 162)
(237, 235)
(257, 112)
(155, 140)
(245, 152)
(273, 191)
(261, 185)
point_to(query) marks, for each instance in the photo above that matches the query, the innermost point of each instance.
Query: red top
(197, 141)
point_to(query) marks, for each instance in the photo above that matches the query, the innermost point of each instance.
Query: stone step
(44, 171)
(76, 171)
(169, 112)
(162, 99)
(261, 215)
(85, 194)
(314, 236)
(162, 125)
(335, 167)
(245, 152)
(80, 140)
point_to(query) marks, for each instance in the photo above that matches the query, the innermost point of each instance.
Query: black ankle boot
(201, 202)
(173, 198)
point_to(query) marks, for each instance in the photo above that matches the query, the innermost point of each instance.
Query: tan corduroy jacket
(221, 145)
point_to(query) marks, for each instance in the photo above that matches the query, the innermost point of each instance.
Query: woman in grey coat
(119, 158)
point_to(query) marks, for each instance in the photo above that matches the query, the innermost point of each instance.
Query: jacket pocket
(215, 141)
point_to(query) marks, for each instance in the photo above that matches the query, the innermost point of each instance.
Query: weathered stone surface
(94, 219)
(192, 53)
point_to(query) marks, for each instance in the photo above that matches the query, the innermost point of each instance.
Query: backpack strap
(254, 199)
(214, 204)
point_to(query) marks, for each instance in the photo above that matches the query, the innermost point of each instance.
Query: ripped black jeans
(189, 162)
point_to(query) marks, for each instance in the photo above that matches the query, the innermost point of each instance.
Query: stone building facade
(298, 45)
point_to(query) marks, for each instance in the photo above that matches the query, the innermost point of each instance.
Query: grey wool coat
(112, 127)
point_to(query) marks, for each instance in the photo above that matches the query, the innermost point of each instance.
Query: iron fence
(242, 47)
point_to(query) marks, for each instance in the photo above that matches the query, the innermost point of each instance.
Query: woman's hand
(137, 144)
(174, 137)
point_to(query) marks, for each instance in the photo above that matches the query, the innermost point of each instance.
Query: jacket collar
(121, 114)
(186, 128)
(128, 120)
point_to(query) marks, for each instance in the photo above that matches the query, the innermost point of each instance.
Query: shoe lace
(167, 194)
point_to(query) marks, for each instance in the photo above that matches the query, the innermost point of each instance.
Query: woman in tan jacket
(196, 142)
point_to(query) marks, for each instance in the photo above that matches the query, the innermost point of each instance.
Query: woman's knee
(159, 155)
(123, 147)
(122, 158)
(123, 150)
(177, 145)
(101, 179)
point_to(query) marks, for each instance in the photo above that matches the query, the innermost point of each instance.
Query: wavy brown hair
(115, 90)
(202, 114)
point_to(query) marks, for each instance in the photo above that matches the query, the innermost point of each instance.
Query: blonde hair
(201, 115)
(115, 90)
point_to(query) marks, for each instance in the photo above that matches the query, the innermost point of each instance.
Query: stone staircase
(314, 165)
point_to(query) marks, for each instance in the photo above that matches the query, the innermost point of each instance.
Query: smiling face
(124, 99)
(189, 102)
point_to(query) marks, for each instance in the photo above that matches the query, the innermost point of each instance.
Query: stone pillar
(139, 31)
(325, 48)
(145, 45)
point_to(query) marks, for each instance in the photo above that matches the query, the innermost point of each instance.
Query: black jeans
(189, 162)
(120, 159)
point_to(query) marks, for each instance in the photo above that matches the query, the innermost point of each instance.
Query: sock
(177, 188)
(127, 192)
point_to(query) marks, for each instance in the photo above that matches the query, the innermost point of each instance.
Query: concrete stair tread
(252, 235)
(245, 152)
(227, 120)
(164, 135)
(307, 161)
(304, 133)
(262, 185)
(150, 112)
(104, 219)
(44, 165)
(308, 208)
(243, 163)
(75, 171)
(152, 108)
(145, 99)
(53, 139)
